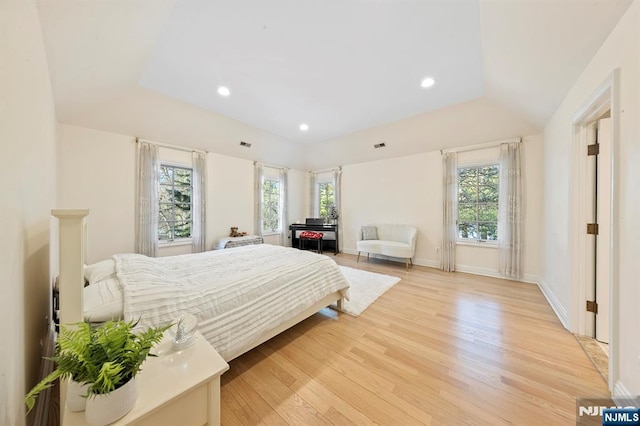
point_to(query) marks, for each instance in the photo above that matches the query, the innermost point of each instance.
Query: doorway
(598, 207)
(593, 258)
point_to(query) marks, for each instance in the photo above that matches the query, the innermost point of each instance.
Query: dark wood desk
(327, 243)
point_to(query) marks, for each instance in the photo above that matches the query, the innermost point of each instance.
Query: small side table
(317, 241)
(176, 387)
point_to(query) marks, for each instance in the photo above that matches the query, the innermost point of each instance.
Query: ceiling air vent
(380, 145)
(245, 144)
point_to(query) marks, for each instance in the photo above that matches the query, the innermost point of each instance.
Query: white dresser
(175, 388)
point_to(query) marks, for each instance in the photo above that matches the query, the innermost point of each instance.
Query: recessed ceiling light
(224, 91)
(304, 127)
(427, 82)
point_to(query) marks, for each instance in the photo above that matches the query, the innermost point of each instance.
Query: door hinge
(592, 306)
(592, 228)
(593, 149)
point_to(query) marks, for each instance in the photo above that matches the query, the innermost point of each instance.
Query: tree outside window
(174, 220)
(478, 189)
(326, 194)
(271, 205)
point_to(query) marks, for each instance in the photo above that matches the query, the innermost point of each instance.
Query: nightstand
(175, 388)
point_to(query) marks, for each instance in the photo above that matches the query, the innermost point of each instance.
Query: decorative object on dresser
(234, 232)
(245, 240)
(333, 215)
(103, 361)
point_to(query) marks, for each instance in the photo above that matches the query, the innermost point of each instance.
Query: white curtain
(337, 182)
(147, 199)
(509, 213)
(449, 211)
(337, 200)
(258, 174)
(314, 207)
(198, 197)
(284, 206)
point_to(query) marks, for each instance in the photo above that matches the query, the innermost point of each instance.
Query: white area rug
(365, 288)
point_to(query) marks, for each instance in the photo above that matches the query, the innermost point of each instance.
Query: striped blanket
(236, 294)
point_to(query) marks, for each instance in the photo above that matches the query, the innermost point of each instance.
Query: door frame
(605, 97)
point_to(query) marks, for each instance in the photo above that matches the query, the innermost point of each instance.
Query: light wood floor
(437, 348)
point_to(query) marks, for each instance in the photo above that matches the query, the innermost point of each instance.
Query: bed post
(71, 254)
(72, 244)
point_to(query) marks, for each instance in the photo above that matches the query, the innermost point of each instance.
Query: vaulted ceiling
(339, 65)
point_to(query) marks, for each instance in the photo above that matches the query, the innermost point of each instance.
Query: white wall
(97, 171)
(230, 196)
(154, 116)
(398, 190)
(621, 50)
(409, 190)
(27, 148)
(468, 123)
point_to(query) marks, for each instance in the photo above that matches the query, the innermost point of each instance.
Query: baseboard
(475, 270)
(427, 262)
(416, 261)
(530, 279)
(557, 307)
(622, 396)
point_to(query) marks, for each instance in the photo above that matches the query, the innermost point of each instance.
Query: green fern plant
(105, 357)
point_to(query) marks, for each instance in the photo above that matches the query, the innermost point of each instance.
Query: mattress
(237, 294)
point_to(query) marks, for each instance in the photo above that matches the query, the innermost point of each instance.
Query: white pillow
(103, 301)
(369, 232)
(100, 271)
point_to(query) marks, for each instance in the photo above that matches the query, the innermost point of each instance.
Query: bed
(242, 297)
(239, 295)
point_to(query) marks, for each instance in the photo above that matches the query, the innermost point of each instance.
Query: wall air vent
(380, 145)
(245, 144)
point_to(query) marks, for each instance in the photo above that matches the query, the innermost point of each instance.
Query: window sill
(175, 243)
(472, 243)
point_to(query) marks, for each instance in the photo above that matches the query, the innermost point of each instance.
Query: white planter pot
(76, 396)
(107, 408)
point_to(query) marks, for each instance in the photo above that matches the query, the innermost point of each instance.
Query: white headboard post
(72, 248)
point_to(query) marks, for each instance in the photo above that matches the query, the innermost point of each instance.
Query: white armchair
(389, 240)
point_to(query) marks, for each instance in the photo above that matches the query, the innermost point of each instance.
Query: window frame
(320, 182)
(479, 242)
(182, 240)
(264, 204)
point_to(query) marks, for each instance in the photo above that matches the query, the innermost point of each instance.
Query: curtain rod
(481, 145)
(335, 169)
(175, 147)
(271, 166)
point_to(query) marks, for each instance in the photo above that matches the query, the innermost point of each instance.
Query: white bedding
(236, 294)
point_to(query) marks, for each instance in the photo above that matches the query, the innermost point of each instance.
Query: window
(326, 194)
(478, 188)
(271, 205)
(175, 203)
